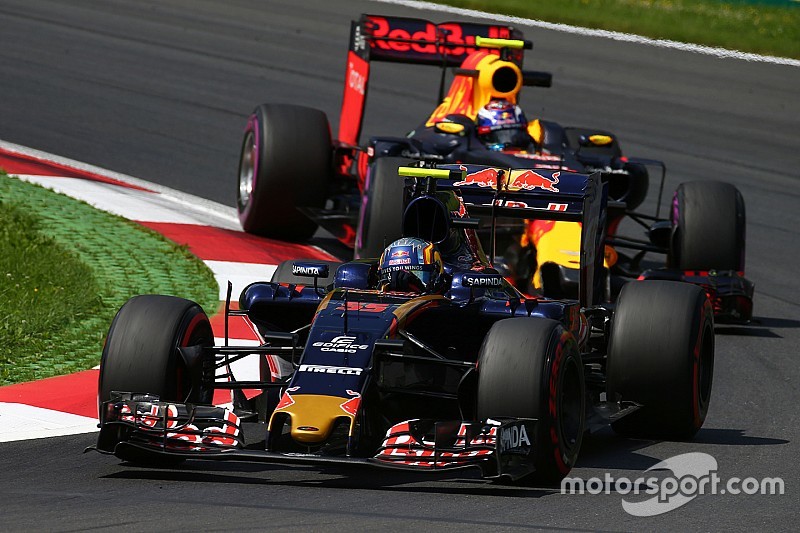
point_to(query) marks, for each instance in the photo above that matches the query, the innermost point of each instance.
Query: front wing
(730, 293)
(139, 425)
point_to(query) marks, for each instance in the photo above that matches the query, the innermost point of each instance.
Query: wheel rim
(247, 170)
(198, 331)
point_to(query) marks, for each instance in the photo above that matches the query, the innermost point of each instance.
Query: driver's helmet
(411, 265)
(502, 125)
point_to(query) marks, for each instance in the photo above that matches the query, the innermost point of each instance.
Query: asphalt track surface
(160, 90)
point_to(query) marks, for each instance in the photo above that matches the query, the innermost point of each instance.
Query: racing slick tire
(708, 227)
(141, 355)
(661, 356)
(381, 219)
(286, 162)
(531, 368)
(141, 350)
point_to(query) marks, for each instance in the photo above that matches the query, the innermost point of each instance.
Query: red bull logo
(529, 180)
(400, 253)
(483, 178)
(351, 406)
(287, 399)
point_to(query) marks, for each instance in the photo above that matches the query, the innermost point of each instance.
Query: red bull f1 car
(349, 188)
(426, 359)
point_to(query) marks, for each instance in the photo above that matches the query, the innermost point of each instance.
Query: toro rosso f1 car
(350, 188)
(426, 359)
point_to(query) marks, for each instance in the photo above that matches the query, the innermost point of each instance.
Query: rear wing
(409, 40)
(537, 194)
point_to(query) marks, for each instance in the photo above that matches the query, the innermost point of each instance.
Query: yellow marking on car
(601, 140)
(489, 42)
(449, 127)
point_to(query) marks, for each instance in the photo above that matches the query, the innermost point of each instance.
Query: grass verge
(65, 270)
(755, 27)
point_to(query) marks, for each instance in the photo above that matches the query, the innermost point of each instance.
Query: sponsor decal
(324, 369)
(538, 157)
(406, 261)
(396, 39)
(483, 178)
(401, 253)
(356, 76)
(351, 406)
(356, 80)
(341, 344)
(364, 307)
(529, 180)
(481, 280)
(286, 399)
(556, 207)
(508, 203)
(607, 170)
(359, 43)
(514, 437)
(299, 269)
(409, 154)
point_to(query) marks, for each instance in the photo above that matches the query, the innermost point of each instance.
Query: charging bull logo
(351, 406)
(286, 399)
(530, 180)
(483, 178)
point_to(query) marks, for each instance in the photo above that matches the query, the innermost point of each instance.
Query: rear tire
(381, 218)
(286, 162)
(531, 368)
(661, 355)
(708, 227)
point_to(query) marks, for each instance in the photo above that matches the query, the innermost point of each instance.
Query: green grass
(66, 268)
(756, 27)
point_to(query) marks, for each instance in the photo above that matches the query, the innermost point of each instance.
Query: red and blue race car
(425, 359)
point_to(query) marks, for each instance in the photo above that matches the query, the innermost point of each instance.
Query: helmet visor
(507, 137)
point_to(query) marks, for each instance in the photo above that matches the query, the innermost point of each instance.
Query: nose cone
(313, 415)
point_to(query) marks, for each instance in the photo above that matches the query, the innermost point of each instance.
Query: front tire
(285, 163)
(661, 356)
(531, 368)
(141, 350)
(141, 355)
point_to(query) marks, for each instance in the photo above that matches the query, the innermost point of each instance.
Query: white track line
(132, 204)
(616, 36)
(24, 422)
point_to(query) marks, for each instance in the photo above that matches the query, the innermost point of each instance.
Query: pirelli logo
(324, 369)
